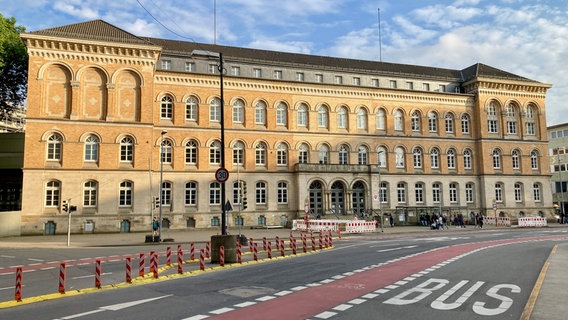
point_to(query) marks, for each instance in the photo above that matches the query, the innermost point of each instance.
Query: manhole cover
(246, 292)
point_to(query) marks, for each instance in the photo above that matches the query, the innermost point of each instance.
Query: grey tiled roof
(97, 30)
(102, 31)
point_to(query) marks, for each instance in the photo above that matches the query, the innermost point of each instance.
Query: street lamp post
(161, 181)
(221, 69)
(380, 191)
(561, 190)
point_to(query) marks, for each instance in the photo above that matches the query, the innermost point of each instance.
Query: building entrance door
(337, 198)
(316, 199)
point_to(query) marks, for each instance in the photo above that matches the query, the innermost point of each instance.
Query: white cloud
(76, 9)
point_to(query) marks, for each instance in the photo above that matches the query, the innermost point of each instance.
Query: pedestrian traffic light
(72, 208)
(244, 203)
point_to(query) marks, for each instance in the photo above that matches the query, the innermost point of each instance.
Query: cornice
(383, 94)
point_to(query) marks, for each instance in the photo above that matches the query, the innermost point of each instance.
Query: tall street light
(380, 191)
(222, 174)
(162, 156)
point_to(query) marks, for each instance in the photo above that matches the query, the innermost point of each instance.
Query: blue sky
(525, 37)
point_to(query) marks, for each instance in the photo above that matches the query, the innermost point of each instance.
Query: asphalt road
(458, 276)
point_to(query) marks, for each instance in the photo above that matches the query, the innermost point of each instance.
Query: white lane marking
(398, 248)
(39, 260)
(5, 256)
(89, 276)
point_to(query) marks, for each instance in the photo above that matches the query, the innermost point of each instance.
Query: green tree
(13, 65)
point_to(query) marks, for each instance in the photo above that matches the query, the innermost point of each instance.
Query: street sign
(221, 175)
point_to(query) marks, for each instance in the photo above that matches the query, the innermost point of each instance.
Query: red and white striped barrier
(62, 270)
(320, 240)
(168, 256)
(501, 221)
(254, 247)
(180, 260)
(222, 256)
(532, 222)
(269, 250)
(191, 251)
(128, 269)
(351, 226)
(264, 243)
(239, 252)
(98, 272)
(202, 259)
(207, 249)
(141, 265)
(156, 258)
(251, 245)
(313, 241)
(18, 287)
(152, 258)
(304, 242)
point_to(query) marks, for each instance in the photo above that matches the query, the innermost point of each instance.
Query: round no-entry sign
(221, 175)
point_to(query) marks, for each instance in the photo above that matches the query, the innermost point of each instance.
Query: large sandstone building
(110, 115)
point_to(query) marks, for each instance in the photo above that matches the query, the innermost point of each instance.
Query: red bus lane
(315, 300)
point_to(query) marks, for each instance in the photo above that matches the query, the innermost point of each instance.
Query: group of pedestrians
(439, 221)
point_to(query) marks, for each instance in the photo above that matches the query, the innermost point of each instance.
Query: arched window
(322, 117)
(191, 152)
(215, 153)
(125, 194)
(415, 121)
(342, 118)
(166, 108)
(282, 155)
(260, 113)
(361, 118)
(398, 121)
(451, 157)
(399, 152)
(215, 110)
(530, 121)
(380, 121)
(453, 189)
(238, 111)
(52, 193)
(362, 155)
(467, 163)
(260, 192)
(127, 149)
(534, 160)
(496, 159)
(511, 119)
(343, 154)
(518, 191)
(302, 115)
(432, 122)
(92, 149)
(465, 124)
(469, 192)
(90, 189)
(537, 192)
(191, 109)
(382, 156)
(303, 154)
(449, 120)
(281, 116)
(167, 150)
(54, 147)
(260, 154)
(282, 193)
(166, 193)
(436, 193)
(238, 153)
(417, 157)
(434, 158)
(515, 159)
(401, 192)
(324, 155)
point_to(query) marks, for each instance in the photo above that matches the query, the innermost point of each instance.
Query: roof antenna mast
(380, 41)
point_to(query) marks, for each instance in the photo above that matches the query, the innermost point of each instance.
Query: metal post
(223, 209)
(380, 190)
(161, 180)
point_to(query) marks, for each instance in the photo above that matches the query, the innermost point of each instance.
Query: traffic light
(72, 208)
(244, 203)
(244, 195)
(65, 206)
(156, 202)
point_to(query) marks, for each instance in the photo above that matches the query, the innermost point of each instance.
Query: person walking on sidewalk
(155, 226)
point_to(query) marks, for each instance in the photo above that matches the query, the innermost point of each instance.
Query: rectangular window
(392, 84)
(536, 192)
(442, 88)
(426, 86)
(299, 76)
(338, 80)
(356, 81)
(282, 195)
(236, 71)
(190, 67)
(436, 193)
(166, 65)
(531, 129)
(375, 82)
(257, 73)
(453, 193)
(278, 74)
(492, 126)
(419, 192)
(212, 68)
(319, 78)
(401, 193)
(469, 193)
(409, 85)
